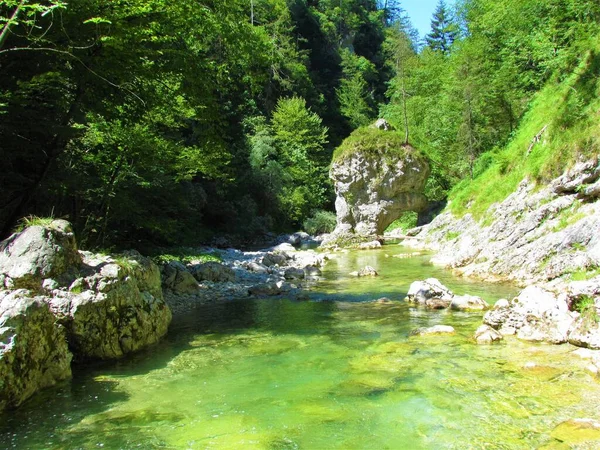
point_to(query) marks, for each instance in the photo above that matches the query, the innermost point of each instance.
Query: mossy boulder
(376, 177)
(33, 350)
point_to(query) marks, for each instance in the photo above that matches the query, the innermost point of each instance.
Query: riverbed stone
(33, 349)
(502, 304)
(278, 258)
(468, 303)
(212, 271)
(266, 289)
(371, 245)
(37, 253)
(585, 331)
(184, 283)
(431, 290)
(487, 335)
(534, 315)
(437, 329)
(294, 273)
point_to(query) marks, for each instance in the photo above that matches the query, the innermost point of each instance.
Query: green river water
(336, 372)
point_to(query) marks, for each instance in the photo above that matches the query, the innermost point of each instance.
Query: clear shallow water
(276, 374)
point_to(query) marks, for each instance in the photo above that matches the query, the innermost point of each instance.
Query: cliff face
(376, 181)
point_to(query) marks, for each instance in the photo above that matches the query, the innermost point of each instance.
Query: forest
(147, 121)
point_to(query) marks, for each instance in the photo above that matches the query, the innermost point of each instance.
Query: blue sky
(420, 12)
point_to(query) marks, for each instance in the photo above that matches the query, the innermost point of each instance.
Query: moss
(452, 235)
(374, 143)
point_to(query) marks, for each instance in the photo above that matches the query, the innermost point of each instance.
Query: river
(336, 372)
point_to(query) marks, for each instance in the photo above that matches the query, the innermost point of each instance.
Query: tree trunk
(8, 25)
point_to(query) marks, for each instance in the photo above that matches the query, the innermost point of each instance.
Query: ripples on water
(338, 372)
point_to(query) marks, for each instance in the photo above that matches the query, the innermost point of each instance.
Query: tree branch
(71, 55)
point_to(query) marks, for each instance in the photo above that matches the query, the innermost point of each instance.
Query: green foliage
(452, 235)
(585, 274)
(586, 306)
(562, 141)
(320, 222)
(374, 143)
(354, 94)
(405, 222)
(443, 30)
(31, 221)
(186, 255)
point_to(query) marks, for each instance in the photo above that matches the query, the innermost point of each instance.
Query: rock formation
(57, 303)
(376, 178)
(33, 350)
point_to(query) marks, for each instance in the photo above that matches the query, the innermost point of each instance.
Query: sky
(420, 13)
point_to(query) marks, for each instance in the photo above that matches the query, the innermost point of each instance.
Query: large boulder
(376, 178)
(117, 309)
(33, 350)
(535, 315)
(37, 253)
(213, 271)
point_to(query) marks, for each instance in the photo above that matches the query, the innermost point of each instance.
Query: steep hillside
(532, 212)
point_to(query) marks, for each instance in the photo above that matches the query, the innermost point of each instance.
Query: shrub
(405, 222)
(321, 222)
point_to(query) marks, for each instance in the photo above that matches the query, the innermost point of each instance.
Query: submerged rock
(437, 329)
(33, 350)
(576, 431)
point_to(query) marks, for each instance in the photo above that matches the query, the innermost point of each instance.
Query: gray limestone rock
(119, 310)
(37, 253)
(212, 271)
(33, 350)
(372, 192)
(535, 315)
(430, 290)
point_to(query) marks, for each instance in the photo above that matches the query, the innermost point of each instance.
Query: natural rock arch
(376, 177)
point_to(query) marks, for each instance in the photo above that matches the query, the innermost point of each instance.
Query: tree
(354, 95)
(404, 61)
(443, 30)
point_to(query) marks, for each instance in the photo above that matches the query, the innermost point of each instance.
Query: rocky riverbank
(275, 271)
(59, 304)
(544, 239)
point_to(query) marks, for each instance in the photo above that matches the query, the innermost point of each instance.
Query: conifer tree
(443, 30)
